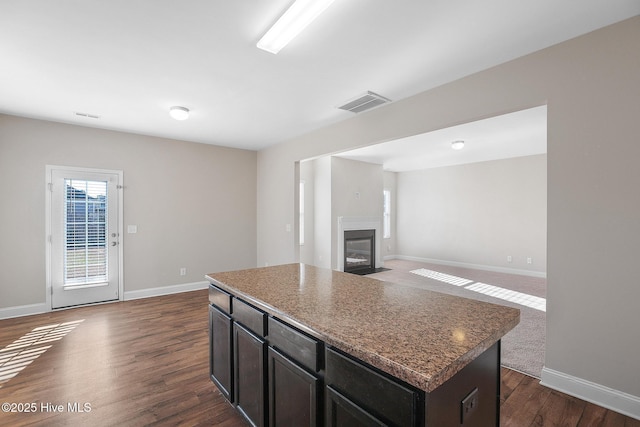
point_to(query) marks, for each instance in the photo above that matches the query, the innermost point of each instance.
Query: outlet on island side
(468, 405)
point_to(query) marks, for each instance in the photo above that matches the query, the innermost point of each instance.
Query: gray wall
(356, 191)
(591, 86)
(476, 215)
(307, 174)
(335, 182)
(194, 204)
(322, 212)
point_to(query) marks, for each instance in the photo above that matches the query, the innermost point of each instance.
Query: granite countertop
(420, 336)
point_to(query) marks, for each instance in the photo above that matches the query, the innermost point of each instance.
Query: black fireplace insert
(359, 251)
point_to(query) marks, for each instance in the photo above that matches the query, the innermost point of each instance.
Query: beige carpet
(522, 348)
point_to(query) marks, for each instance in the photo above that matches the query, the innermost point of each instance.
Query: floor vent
(364, 102)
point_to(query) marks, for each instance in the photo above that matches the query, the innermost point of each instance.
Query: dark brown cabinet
(237, 354)
(220, 351)
(277, 374)
(341, 411)
(250, 383)
(295, 376)
(358, 394)
(294, 393)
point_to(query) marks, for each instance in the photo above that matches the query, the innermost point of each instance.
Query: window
(301, 213)
(85, 251)
(386, 225)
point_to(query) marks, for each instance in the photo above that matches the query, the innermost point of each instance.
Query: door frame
(48, 228)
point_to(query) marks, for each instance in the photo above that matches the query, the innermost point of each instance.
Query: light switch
(132, 229)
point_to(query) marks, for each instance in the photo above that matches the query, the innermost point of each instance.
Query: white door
(84, 236)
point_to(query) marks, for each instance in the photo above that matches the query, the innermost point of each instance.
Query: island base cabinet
(293, 393)
(250, 375)
(279, 372)
(220, 351)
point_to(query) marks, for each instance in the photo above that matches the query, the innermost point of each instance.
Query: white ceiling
(129, 61)
(518, 134)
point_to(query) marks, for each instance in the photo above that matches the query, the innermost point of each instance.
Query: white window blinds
(85, 247)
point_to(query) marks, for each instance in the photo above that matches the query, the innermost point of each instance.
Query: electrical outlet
(468, 405)
(183, 271)
(529, 260)
(509, 258)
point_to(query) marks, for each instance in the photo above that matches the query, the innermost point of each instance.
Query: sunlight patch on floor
(20, 353)
(521, 298)
(442, 277)
(509, 295)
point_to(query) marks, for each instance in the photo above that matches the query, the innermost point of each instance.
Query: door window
(85, 247)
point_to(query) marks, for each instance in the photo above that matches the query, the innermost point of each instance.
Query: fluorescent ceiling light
(295, 19)
(179, 113)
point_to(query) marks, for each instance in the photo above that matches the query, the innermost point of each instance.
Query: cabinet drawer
(382, 397)
(220, 298)
(300, 347)
(250, 317)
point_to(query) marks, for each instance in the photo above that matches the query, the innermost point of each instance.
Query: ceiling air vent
(364, 102)
(90, 116)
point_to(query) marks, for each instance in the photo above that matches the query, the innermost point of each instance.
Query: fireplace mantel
(358, 223)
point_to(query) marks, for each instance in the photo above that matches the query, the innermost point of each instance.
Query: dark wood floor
(144, 362)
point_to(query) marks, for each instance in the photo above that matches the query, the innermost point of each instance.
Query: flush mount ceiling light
(295, 19)
(457, 145)
(179, 113)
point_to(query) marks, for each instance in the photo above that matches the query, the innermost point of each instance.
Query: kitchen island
(300, 345)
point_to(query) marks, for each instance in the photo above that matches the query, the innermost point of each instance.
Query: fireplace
(359, 251)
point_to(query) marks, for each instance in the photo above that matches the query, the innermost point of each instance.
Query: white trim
(165, 290)
(47, 215)
(31, 309)
(47, 234)
(618, 401)
(23, 310)
(358, 223)
(541, 274)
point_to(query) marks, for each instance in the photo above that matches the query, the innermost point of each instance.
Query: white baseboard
(23, 310)
(28, 310)
(541, 274)
(165, 290)
(618, 401)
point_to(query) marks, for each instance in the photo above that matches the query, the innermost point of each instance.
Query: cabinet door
(220, 351)
(342, 412)
(250, 375)
(293, 393)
